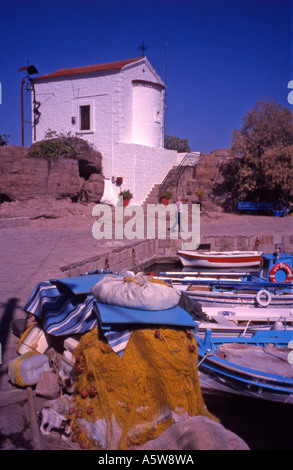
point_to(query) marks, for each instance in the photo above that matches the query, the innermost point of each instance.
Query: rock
(23, 177)
(196, 433)
(19, 326)
(11, 420)
(222, 152)
(7, 445)
(94, 188)
(89, 159)
(208, 177)
(48, 208)
(48, 385)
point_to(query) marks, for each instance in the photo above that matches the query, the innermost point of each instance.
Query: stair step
(191, 159)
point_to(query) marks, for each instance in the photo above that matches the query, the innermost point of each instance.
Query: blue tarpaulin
(67, 306)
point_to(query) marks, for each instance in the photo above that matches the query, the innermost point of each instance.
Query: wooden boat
(257, 296)
(182, 280)
(219, 259)
(271, 286)
(257, 365)
(243, 319)
(201, 275)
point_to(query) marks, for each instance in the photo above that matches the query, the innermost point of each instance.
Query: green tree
(262, 168)
(176, 143)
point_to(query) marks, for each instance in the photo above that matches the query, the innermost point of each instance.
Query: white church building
(119, 107)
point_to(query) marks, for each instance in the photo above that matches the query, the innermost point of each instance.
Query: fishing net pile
(121, 402)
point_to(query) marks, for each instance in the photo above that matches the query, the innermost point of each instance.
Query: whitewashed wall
(60, 101)
(142, 105)
(146, 167)
(127, 120)
(147, 115)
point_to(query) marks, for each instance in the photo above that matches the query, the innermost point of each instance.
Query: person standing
(178, 205)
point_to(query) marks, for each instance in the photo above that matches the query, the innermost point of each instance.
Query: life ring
(266, 301)
(284, 267)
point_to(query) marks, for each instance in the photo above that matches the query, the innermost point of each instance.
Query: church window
(85, 122)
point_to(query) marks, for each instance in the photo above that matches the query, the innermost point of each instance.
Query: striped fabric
(118, 340)
(60, 311)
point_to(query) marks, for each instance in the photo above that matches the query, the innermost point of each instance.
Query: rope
(13, 369)
(32, 346)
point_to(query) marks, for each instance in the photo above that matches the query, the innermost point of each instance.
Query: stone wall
(206, 176)
(267, 243)
(134, 256)
(143, 253)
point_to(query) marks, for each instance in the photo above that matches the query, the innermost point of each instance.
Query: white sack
(138, 293)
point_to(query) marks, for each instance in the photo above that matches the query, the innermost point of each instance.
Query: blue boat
(271, 285)
(259, 364)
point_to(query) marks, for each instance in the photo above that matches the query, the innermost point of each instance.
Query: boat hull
(211, 384)
(257, 366)
(244, 320)
(217, 298)
(235, 259)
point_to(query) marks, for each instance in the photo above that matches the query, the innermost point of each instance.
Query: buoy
(263, 302)
(278, 325)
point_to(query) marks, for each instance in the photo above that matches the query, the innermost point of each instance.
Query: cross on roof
(143, 48)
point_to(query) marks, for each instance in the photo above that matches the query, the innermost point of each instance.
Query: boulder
(196, 433)
(23, 177)
(89, 160)
(48, 385)
(94, 188)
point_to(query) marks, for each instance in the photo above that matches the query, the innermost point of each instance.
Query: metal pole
(35, 119)
(22, 117)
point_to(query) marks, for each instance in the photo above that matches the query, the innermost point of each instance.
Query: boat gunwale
(273, 337)
(238, 369)
(268, 383)
(221, 257)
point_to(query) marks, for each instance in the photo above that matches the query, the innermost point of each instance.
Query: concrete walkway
(37, 251)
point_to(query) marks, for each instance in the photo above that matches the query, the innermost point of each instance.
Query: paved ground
(232, 224)
(36, 252)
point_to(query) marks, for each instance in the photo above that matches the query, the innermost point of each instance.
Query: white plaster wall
(145, 166)
(56, 107)
(147, 115)
(134, 152)
(130, 107)
(60, 101)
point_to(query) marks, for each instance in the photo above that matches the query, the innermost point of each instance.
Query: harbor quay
(42, 249)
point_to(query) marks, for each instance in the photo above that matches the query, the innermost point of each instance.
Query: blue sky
(222, 55)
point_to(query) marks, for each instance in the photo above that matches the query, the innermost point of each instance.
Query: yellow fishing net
(131, 398)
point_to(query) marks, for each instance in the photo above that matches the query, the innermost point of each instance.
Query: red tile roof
(89, 68)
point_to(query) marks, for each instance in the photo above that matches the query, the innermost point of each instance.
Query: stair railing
(173, 177)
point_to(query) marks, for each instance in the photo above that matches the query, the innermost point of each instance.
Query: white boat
(243, 320)
(271, 285)
(252, 314)
(220, 259)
